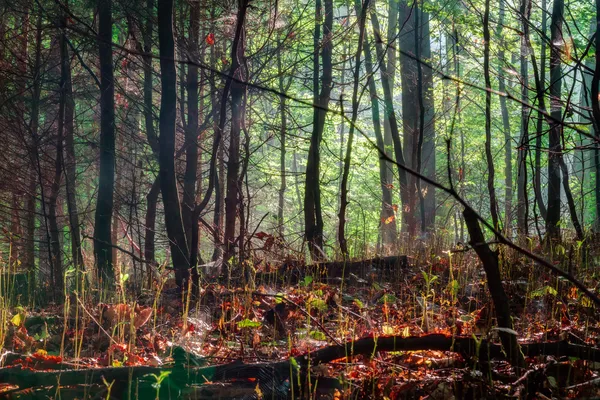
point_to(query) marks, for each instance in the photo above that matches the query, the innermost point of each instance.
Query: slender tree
(313, 216)
(168, 110)
(104, 203)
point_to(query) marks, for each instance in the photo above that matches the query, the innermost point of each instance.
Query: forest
(300, 199)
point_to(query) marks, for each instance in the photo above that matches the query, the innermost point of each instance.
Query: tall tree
(168, 113)
(238, 91)
(362, 11)
(595, 89)
(508, 179)
(488, 116)
(555, 134)
(522, 202)
(104, 203)
(191, 132)
(387, 215)
(313, 215)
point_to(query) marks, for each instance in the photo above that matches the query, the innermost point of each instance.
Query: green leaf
(247, 323)
(388, 298)
(317, 335)
(318, 304)
(307, 280)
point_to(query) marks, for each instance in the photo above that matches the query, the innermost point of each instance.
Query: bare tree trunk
(508, 185)
(410, 109)
(488, 116)
(489, 259)
(522, 201)
(191, 132)
(70, 164)
(387, 216)
(237, 111)
(355, 103)
(596, 114)
(393, 124)
(313, 217)
(152, 196)
(427, 124)
(555, 149)
(540, 88)
(168, 113)
(282, 149)
(104, 204)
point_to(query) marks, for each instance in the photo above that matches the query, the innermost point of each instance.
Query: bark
(237, 111)
(150, 224)
(30, 200)
(313, 217)
(152, 196)
(36, 172)
(427, 125)
(282, 148)
(70, 164)
(540, 88)
(191, 132)
(522, 201)
(104, 203)
(362, 10)
(390, 115)
(410, 109)
(488, 117)
(554, 145)
(489, 259)
(168, 110)
(387, 215)
(595, 87)
(508, 188)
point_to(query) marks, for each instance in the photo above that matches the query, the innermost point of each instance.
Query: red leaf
(210, 39)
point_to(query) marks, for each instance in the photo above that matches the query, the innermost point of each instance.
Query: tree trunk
(191, 132)
(489, 259)
(362, 10)
(508, 188)
(428, 156)
(70, 164)
(313, 217)
(168, 113)
(237, 111)
(393, 123)
(387, 215)
(540, 88)
(522, 201)
(555, 149)
(282, 148)
(410, 109)
(488, 117)
(595, 87)
(104, 204)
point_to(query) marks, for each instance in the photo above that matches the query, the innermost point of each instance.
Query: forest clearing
(299, 199)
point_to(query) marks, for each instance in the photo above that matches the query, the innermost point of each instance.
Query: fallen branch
(274, 375)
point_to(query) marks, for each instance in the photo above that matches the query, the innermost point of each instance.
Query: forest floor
(250, 341)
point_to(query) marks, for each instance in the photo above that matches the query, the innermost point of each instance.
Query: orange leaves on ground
(115, 313)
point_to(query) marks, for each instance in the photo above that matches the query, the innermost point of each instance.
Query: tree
(362, 11)
(555, 134)
(313, 216)
(104, 203)
(168, 110)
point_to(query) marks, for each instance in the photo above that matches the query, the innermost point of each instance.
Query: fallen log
(275, 376)
(293, 272)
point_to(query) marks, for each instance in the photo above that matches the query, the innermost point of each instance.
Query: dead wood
(274, 375)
